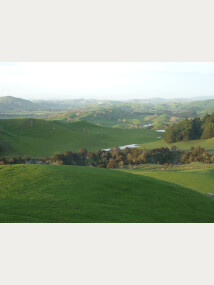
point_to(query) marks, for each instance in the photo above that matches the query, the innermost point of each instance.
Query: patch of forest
(191, 129)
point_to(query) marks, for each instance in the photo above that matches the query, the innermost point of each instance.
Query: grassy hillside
(136, 113)
(120, 117)
(208, 144)
(38, 138)
(84, 194)
(196, 176)
(202, 107)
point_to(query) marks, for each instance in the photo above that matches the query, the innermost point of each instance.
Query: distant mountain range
(9, 104)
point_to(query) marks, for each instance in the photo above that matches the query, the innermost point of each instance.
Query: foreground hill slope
(49, 193)
(196, 176)
(38, 138)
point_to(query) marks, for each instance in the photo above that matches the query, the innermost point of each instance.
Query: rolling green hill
(119, 117)
(136, 113)
(196, 176)
(202, 107)
(49, 193)
(39, 138)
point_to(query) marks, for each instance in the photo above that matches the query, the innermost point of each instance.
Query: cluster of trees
(196, 154)
(208, 126)
(132, 156)
(191, 129)
(188, 129)
(119, 158)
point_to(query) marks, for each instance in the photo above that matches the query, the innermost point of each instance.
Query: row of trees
(116, 157)
(15, 160)
(191, 129)
(119, 158)
(132, 156)
(196, 154)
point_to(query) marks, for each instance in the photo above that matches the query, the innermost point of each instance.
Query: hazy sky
(106, 80)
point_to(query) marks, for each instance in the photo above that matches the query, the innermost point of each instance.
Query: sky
(106, 80)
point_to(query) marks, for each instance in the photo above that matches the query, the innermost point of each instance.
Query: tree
(192, 149)
(58, 158)
(83, 151)
(114, 152)
(3, 161)
(99, 153)
(208, 131)
(112, 163)
(13, 160)
(46, 159)
(121, 164)
(82, 156)
(184, 158)
(173, 148)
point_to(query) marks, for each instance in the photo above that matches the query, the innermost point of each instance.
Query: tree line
(116, 158)
(191, 129)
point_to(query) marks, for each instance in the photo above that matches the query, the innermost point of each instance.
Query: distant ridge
(9, 104)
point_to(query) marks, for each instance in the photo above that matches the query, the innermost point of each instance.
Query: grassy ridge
(48, 193)
(195, 176)
(38, 138)
(208, 144)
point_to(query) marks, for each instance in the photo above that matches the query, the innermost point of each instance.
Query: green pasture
(39, 138)
(51, 193)
(196, 176)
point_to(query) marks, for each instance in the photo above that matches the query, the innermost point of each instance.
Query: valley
(62, 163)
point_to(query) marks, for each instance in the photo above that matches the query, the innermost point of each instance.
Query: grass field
(208, 144)
(38, 138)
(196, 176)
(49, 193)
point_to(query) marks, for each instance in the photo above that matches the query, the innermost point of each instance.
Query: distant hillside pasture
(49, 193)
(39, 138)
(208, 144)
(118, 117)
(132, 114)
